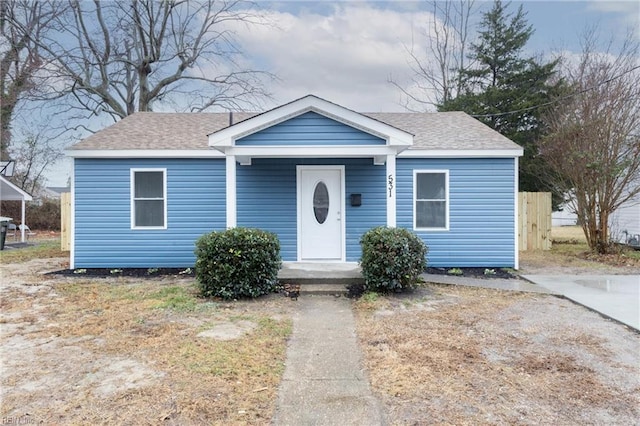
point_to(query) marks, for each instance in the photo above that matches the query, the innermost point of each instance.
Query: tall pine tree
(504, 88)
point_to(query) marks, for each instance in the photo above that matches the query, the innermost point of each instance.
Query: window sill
(148, 228)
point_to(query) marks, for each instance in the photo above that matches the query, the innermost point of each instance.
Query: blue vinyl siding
(310, 129)
(481, 211)
(481, 221)
(266, 198)
(103, 234)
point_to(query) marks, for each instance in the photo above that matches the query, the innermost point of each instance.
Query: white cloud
(627, 11)
(346, 56)
(616, 6)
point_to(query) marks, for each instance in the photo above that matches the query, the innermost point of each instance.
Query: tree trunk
(5, 132)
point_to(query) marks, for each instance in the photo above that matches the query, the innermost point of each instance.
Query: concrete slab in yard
(615, 296)
(494, 283)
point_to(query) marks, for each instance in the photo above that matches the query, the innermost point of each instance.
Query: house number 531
(390, 186)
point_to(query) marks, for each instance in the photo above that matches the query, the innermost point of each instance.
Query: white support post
(516, 213)
(23, 212)
(231, 191)
(72, 231)
(390, 183)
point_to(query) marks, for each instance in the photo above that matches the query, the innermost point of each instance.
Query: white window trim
(447, 198)
(132, 197)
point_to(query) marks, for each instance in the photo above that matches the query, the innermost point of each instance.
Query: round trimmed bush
(392, 259)
(237, 263)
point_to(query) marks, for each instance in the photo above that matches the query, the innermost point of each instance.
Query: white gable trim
(226, 137)
(461, 153)
(315, 151)
(144, 153)
(378, 151)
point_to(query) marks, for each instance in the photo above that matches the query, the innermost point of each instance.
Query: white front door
(320, 213)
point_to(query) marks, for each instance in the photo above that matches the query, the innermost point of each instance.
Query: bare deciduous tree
(593, 144)
(121, 57)
(21, 23)
(34, 153)
(437, 70)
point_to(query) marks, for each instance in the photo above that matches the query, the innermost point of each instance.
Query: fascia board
(144, 153)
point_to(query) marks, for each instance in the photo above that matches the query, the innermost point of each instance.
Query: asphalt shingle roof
(446, 130)
(186, 131)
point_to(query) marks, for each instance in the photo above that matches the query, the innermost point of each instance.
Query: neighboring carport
(10, 192)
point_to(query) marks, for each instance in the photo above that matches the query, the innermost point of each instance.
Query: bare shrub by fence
(43, 217)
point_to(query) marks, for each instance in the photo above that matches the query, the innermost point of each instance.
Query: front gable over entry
(309, 129)
(273, 134)
(303, 129)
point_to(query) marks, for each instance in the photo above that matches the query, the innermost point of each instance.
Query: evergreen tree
(503, 81)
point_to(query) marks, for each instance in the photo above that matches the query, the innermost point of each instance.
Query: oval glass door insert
(321, 202)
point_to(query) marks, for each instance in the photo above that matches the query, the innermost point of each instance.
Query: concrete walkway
(614, 296)
(494, 283)
(324, 382)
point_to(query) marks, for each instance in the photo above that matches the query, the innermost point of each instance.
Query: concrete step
(319, 289)
(321, 278)
(323, 289)
(336, 280)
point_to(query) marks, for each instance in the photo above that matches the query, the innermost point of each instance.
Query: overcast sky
(347, 51)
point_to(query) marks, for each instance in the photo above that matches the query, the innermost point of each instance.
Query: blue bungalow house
(315, 173)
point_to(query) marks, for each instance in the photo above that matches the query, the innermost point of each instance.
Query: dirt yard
(134, 351)
(453, 355)
(116, 350)
(457, 355)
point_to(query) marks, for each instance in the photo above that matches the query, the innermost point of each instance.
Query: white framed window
(148, 198)
(431, 200)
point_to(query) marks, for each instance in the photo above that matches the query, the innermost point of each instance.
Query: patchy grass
(570, 250)
(243, 360)
(44, 249)
(477, 356)
(176, 298)
(370, 296)
(633, 254)
(569, 234)
(126, 351)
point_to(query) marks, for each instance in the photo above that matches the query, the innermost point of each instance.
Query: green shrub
(392, 259)
(238, 262)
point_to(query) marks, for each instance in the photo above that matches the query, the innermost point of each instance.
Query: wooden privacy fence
(534, 220)
(65, 221)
